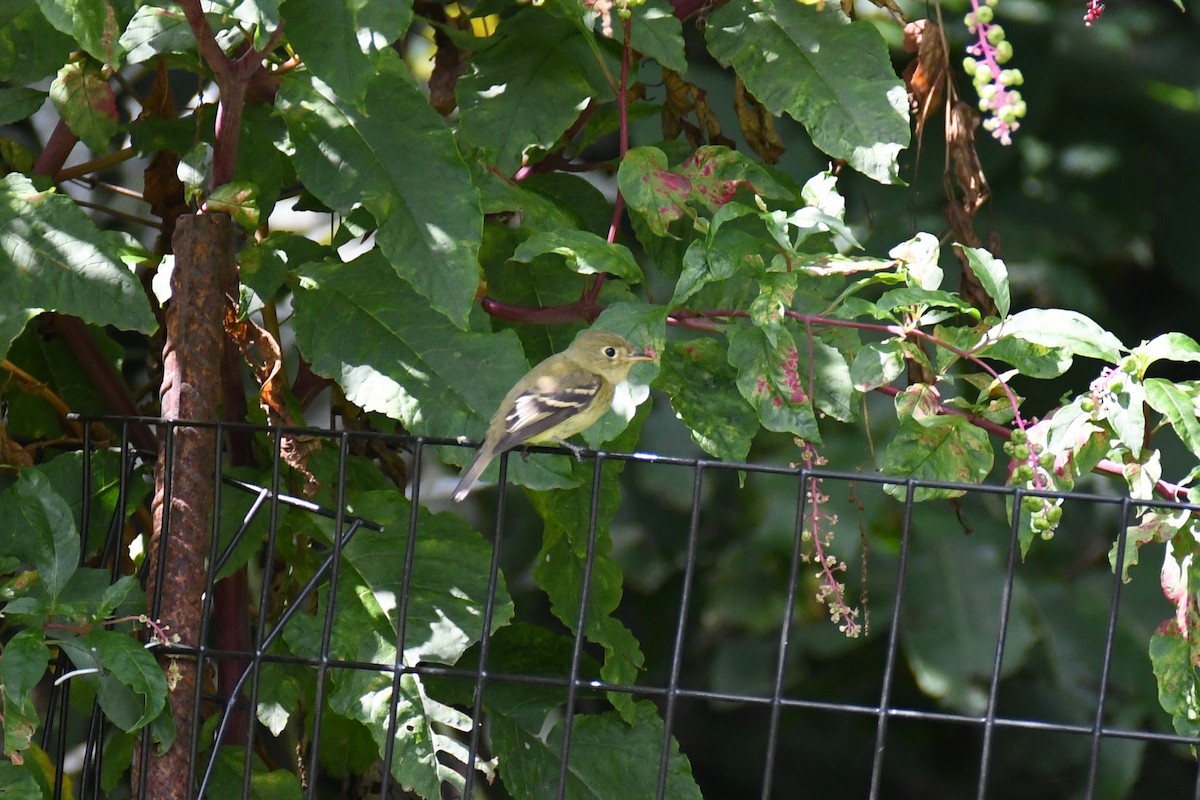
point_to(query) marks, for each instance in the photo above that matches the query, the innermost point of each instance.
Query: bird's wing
(546, 404)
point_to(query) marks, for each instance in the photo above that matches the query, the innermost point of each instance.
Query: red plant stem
(581, 309)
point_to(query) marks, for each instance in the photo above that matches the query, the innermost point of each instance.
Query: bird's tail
(472, 473)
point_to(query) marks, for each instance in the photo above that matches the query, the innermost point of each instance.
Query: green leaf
(609, 758)
(658, 34)
(833, 76)
(1125, 411)
(420, 728)
(1030, 358)
(361, 326)
(116, 759)
(325, 34)
(776, 291)
(923, 298)
(699, 381)
(1178, 682)
(940, 448)
(132, 687)
(992, 276)
(835, 393)
(585, 253)
(1056, 327)
(278, 697)
(265, 784)
(535, 210)
(877, 364)
(769, 378)
(22, 664)
(652, 191)
(526, 86)
(724, 253)
(39, 530)
(559, 568)
(30, 48)
(156, 30)
(951, 613)
(53, 258)
(65, 475)
(1179, 407)
(265, 265)
(1168, 346)
(386, 157)
(95, 24)
(446, 599)
(18, 103)
(451, 564)
(18, 783)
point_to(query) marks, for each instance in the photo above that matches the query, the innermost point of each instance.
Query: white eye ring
(610, 351)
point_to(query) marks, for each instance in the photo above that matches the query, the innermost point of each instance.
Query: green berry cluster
(998, 98)
(1031, 467)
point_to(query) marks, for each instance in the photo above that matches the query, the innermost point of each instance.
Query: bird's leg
(575, 449)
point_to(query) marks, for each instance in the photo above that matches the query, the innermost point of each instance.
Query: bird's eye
(610, 351)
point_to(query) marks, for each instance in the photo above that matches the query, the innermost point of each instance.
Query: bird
(560, 397)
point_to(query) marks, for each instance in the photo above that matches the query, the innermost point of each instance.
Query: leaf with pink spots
(717, 173)
(773, 380)
(652, 190)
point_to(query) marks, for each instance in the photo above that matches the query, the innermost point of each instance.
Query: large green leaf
(363, 327)
(1178, 681)
(992, 276)
(53, 258)
(656, 33)
(450, 576)
(771, 380)
(30, 48)
(834, 76)
(132, 687)
(700, 383)
(940, 448)
(39, 530)
(1179, 408)
(18, 103)
(527, 85)
(445, 612)
(1060, 328)
(95, 24)
(155, 30)
(325, 33)
(22, 665)
(584, 252)
(952, 603)
(559, 568)
(388, 156)
(610, 759)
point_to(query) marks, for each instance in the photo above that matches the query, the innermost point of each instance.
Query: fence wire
(749, 679)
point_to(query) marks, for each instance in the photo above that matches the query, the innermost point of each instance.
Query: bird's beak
(644, 355)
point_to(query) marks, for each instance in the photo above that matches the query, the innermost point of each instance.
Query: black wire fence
(979, 673)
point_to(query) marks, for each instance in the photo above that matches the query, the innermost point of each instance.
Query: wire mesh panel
(711, 629)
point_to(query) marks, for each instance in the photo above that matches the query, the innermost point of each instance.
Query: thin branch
(35, 387)
(125, 215)
(95, 165)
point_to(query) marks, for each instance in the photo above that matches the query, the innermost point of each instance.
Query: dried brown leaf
(262, 354)
(757, 124)
(926, 75)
